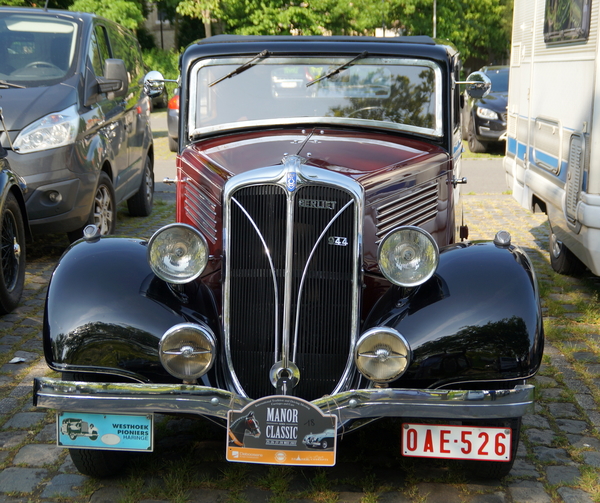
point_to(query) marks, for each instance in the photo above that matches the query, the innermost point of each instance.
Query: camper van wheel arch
(562, 259)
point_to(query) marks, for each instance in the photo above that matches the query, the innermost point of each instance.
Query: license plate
(122, 432)
(456, 442)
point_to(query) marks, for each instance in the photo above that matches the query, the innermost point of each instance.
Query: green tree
(127, 13)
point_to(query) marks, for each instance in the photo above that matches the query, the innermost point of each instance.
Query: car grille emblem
(316, 203)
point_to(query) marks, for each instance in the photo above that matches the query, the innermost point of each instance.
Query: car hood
(20, 107)
(494, 101)
(358, 155)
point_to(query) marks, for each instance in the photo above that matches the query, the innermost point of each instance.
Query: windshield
(35, 50)
(499, 78)
(393, 93)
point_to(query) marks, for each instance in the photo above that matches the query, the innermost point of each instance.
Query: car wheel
(173, 146)
(495, 470)
(475, 146)
(12, 233)
(562, 259)
(104, 209)
(98, 463)
(140, 204)
(324, 444)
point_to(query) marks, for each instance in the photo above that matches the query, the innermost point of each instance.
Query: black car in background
(484, 120)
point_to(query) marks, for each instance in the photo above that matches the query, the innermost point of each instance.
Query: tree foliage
(125, 12)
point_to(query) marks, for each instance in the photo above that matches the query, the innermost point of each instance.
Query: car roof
(224, 45)
(86, 17)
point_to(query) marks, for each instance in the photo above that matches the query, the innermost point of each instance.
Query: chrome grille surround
(268, 334)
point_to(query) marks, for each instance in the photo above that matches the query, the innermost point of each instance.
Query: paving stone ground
(558, 459)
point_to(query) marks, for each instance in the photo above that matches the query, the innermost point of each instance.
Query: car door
(112, 110)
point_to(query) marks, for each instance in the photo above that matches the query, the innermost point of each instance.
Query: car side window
(98, 51)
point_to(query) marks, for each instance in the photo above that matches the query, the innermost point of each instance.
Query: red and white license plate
(456, 442)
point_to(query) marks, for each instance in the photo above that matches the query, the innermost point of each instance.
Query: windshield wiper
(339, 69)
(244, 67)
(6, 85)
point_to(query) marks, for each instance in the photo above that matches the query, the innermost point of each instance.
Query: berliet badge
(291, 181)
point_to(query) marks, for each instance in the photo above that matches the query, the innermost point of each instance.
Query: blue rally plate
(119, 432)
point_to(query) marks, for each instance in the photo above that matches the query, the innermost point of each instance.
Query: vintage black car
(316, 277)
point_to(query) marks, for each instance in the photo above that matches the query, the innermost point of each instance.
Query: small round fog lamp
(187, 351)
(177, 253)
(382, 354)
(408, 256)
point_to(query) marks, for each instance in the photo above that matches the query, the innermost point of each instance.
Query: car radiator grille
(321, 304)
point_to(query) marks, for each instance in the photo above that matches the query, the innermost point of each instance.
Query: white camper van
(553, 147)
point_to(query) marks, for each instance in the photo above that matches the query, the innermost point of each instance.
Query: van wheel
(98, 463)
(475, 146)
(140, 204)
(12, 272)
(562, 259)
(104, 209)
(495, 470)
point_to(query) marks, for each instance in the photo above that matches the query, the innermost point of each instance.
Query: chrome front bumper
(75, 396)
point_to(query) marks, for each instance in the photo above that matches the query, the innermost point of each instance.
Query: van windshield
(36, 50)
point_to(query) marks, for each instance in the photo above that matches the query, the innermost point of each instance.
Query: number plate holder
(456, 442)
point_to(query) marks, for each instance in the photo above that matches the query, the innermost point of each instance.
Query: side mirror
(478, 85)
(115, 78)
(154, 84)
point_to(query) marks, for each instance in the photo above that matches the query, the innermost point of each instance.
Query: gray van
(71, 87)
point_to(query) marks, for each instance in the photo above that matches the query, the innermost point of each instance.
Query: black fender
(106, 311)
(11, 182)
(477, 319)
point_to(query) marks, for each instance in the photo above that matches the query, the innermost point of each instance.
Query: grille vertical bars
(324, 313)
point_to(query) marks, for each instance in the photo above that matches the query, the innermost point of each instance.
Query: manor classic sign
(281, 430)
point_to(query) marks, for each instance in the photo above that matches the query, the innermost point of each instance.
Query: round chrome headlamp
(382, 354)
(187, 351)
(177, 253)
(408, 256)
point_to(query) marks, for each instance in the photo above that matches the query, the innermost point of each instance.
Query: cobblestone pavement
(558, 459)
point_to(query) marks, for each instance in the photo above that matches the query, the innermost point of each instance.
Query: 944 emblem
(337, 241)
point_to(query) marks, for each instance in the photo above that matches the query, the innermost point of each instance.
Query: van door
(112, 110)
(126, 47)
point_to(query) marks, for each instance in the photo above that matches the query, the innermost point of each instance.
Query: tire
(98, 463)
(324, 444)
(173, 146)
(475, 146)
(12, 272)
(562, 259)
(140, 204)
(496, 470)
(104, 209)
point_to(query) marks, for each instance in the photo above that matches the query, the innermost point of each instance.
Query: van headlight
(382, 354)
(177, 253)
(187, 351)
(52, 131)
(408, 256)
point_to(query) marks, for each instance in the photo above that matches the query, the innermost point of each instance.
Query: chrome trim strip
(273, 272)
(205, 401)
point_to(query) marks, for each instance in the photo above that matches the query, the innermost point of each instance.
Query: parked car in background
(484, 120)
(73, 100)
(314, 280)
(173, 121)
(14, 230)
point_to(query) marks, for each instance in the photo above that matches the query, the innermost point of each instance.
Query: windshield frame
(275, 59)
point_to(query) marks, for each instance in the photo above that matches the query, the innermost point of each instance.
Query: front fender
(106, 311)
(478, 318)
